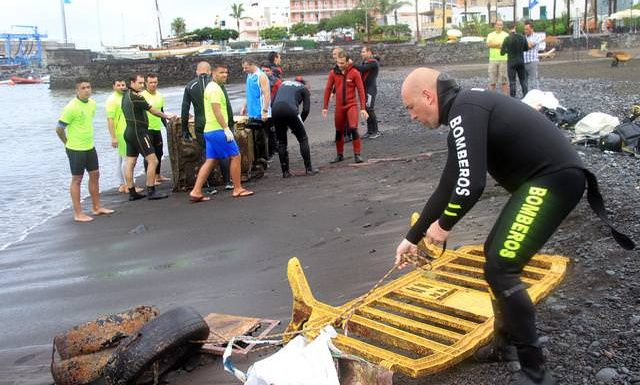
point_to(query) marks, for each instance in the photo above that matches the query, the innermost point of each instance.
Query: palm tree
(366, 5)
(178, 26)
(236, 12)
(568, 14)
(385, 7)
(554, 16)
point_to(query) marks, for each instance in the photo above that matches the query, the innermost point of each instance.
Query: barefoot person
(134, 108)
(75, 130)
(116, 125)
(527, 155)
(220, 143)
(155, 99)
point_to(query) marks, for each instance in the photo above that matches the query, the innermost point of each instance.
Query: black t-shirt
(293, 93)
(490, 132)
(134, 109)
(514, 46)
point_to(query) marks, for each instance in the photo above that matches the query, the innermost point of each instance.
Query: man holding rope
(527, 155)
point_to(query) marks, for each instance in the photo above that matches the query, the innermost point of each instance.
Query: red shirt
(345, 85)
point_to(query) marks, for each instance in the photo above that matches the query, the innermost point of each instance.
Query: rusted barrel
(186, 156)
(244, 138)
(80, 370)
(102, 333)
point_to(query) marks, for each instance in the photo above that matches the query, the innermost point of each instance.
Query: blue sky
(115, 22)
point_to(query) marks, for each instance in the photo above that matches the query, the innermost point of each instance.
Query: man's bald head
(420, 96)
(203, 68)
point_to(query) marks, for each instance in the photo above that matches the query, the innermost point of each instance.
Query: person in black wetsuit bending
(527, 155)
(285, 115)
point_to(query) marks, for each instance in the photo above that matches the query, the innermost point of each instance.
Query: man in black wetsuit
(527, 155)
(285, 115)
(514, 46)
(194, 94)
(136, 135)
(369, 72)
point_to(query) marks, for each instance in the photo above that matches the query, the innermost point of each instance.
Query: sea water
(34, 170)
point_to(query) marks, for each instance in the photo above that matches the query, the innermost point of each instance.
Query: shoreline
(229, 255)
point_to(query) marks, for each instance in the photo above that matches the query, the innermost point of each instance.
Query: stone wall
(65, 65)
(176, 71)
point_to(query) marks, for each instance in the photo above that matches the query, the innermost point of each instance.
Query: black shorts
(82, 160)
(138, 143)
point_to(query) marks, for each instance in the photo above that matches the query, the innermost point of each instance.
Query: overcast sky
(115, 22)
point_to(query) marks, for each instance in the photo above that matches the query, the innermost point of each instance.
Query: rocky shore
(229, 256)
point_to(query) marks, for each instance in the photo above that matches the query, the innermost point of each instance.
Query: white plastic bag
(595, 125)
(538, 99)
(298, 363)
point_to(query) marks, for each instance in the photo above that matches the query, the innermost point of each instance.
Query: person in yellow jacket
(116, 125)
(497, 61)
(75, 130)
(155, 100)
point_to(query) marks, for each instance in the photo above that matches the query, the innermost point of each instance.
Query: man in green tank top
(75, 130)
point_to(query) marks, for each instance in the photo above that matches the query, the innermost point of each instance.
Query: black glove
(186, 135)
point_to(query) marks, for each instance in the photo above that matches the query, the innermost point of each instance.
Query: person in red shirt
(346, 80)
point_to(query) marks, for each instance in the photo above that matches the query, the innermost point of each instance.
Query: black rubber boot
(522, 378)
(533, 369)
(357, 158)
(134, 195)
(283, 155)
(500, 349)
(338, 158)
(153, 195)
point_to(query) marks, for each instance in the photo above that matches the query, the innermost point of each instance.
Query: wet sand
(229, 255)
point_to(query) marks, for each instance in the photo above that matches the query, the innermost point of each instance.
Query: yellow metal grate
(421, 322)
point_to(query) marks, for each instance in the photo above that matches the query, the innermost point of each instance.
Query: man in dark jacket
(285, 115)
(514, 46)
(528, 156)
(194, 94)
(369, 72)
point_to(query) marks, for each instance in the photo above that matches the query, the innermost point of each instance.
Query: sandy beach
(229, 255)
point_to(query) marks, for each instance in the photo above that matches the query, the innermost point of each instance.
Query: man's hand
(436, 235)
(170, 116)
(228, 134)
(264, 115)
(403, 248)
(324, 113)
(364, 114)
(243, 110)
(114, 142)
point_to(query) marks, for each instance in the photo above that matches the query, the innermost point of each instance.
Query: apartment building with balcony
(312, 11)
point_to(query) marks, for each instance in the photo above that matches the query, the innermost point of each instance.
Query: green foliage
(274, 33)
(178, 26)
(304, 43)
(239, 44)
(302, 29)
(391, 32)
(322, 25)
(476, 28)
(208, 33)
(347, 19)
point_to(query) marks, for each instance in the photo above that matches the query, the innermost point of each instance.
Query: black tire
(159, 345)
